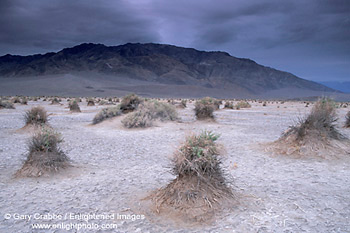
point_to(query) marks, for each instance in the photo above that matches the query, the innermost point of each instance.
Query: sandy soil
(115, 168)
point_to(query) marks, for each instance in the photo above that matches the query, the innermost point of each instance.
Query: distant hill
(340, 86)
(147, 68)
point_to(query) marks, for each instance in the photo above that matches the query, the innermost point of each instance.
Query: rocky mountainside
(160, 64)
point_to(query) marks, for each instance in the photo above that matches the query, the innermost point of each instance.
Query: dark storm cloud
(308, 38)
(46, 25)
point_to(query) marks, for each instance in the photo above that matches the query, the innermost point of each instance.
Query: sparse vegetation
(36, 116)
(90, 102)
(6, 104)
(106, 113)
(130, 102)
(55, 101)
(242, 104)
(313, 133)
(229, 105)
(148, 112)
(199, 188)
(74, 106)
(205, 107)
(44, 156)
(347, 120)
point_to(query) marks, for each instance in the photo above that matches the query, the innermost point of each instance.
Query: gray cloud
(294, 35)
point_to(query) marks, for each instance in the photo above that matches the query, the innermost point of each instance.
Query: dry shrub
(242, 104)
(36, 116)
(16, 100)
(347, 120)
(6, 104)
(74, 106)
(130, 102)
(229, 105)
(316, 135)
(44, 155)
(148, 112)
(55, 101)
(90, 102)
(205, 107)
(24, 101)
(200, 188)
(106, 113)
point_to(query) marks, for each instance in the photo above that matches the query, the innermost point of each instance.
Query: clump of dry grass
(36, 116)
(74, 106)
(44, 155)
(90, 102)
(16, 100)
(229, 105)
(314, 135)
(130, 102)
(24, 101)
(205, 107)
(347, 120)
(55, 101)
(242, 104)
(6, 104)
(148, 112)
(200, 188)
(106, 113)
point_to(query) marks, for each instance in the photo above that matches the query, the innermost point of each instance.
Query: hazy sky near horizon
(309, 38)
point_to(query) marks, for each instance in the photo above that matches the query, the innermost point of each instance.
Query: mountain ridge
(159, 63)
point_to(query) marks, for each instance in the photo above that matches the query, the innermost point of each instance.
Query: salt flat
(114, 168)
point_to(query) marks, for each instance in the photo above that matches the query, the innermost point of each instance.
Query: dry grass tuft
(229, 105)
(55, 101)
(74, 106)
(205, 107)
(106, 113)
(199, 189)
(316, 135)
(36, 116)
(148, 112)
(90, 102)
(242, 104)
(130, 102)
(44, 155)
(347, 120)
(6, 104)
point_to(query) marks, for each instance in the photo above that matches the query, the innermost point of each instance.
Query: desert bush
(6, 104)
(90, 102)
(148, 112)
(347, 120)
(229, 105)
(102, 102)
(16, 100)
(264, 104)
(106, 113)
(200, 187)
(130, 102)
(74, 106)
(36, 116)
(314, 133)
(242, 104)
(44, 155)
(24, 101)
(55, 101)
(321, 121)
(183, 103)
(205, 107)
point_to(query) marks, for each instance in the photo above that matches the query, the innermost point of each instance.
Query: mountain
(340, 86)
(150, 69)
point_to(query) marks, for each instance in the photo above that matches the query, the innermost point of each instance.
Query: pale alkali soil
(114, 168)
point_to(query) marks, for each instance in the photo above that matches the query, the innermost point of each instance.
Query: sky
(309, 38)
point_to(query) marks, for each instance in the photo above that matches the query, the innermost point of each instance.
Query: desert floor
(115, 168)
